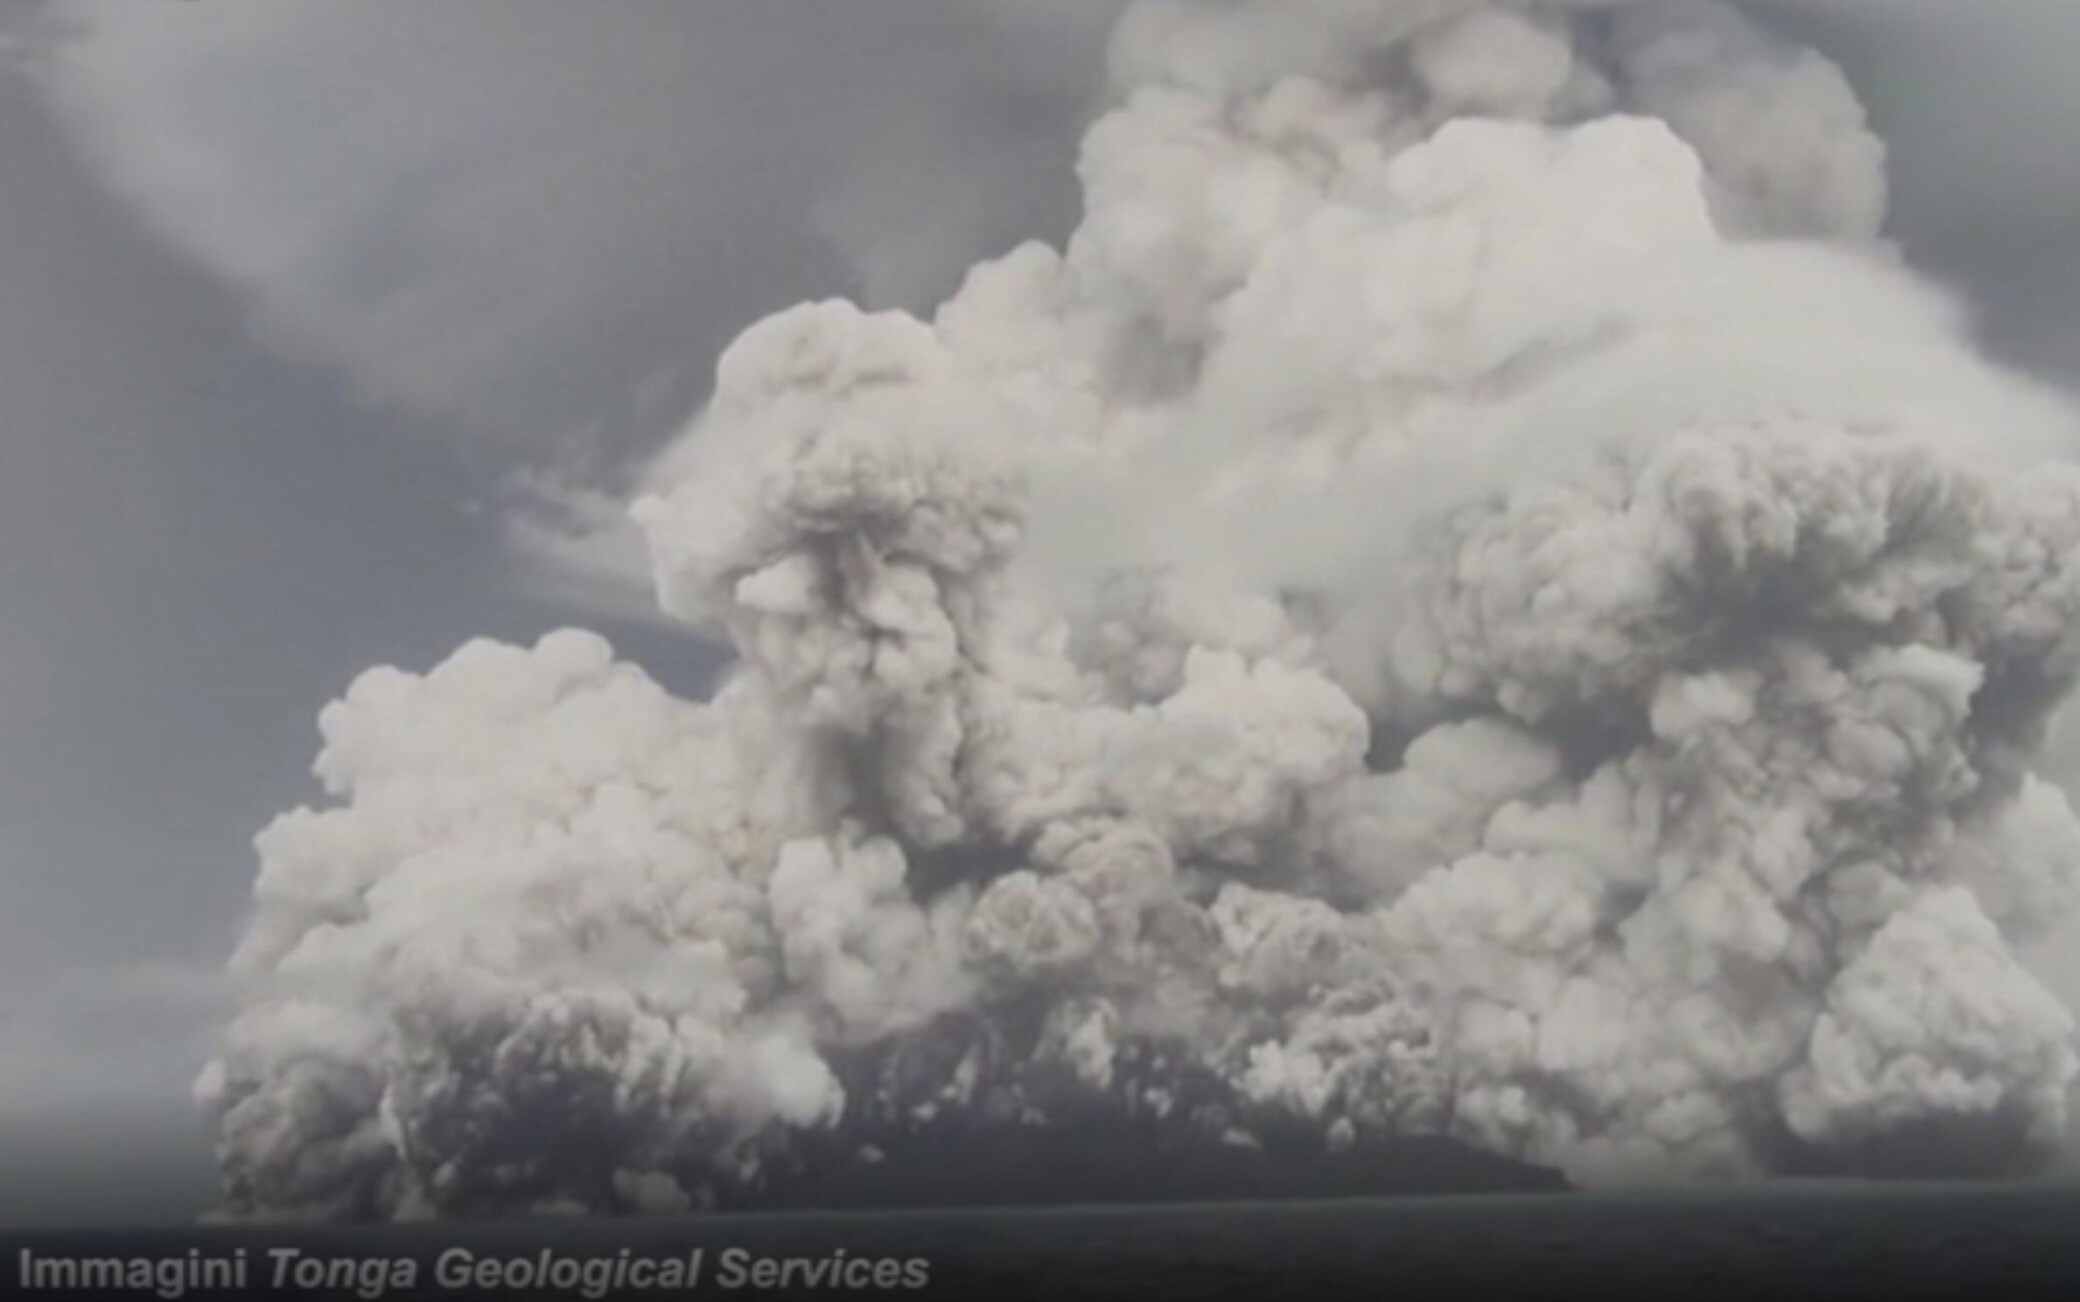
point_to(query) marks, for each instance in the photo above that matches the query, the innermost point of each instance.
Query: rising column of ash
(1475, 596)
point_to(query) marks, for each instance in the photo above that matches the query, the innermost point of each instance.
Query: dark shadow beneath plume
(1114, 1161)
(967, 1113)
(1992, 1147)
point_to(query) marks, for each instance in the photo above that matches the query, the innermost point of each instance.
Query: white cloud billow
(1473, 596)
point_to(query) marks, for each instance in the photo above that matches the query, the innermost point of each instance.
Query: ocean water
(1815, 1240)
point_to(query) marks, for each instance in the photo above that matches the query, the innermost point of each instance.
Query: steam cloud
(1475, 596)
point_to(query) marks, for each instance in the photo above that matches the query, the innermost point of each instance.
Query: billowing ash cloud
(1474, 597)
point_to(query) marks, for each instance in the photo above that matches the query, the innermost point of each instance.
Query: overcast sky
(290, 288)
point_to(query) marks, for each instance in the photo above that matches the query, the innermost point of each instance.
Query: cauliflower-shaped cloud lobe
(1473, 596)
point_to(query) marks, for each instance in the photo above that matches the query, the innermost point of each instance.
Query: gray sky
(287, 286)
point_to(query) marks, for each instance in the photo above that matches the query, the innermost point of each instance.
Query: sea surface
(1810, 1240)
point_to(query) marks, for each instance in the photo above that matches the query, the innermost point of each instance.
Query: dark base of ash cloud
(928, 1132)
(1474, 609)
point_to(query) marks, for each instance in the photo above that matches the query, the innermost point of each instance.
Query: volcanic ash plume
(1474, 597)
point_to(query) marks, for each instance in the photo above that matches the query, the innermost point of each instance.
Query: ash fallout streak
(1476, 596)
